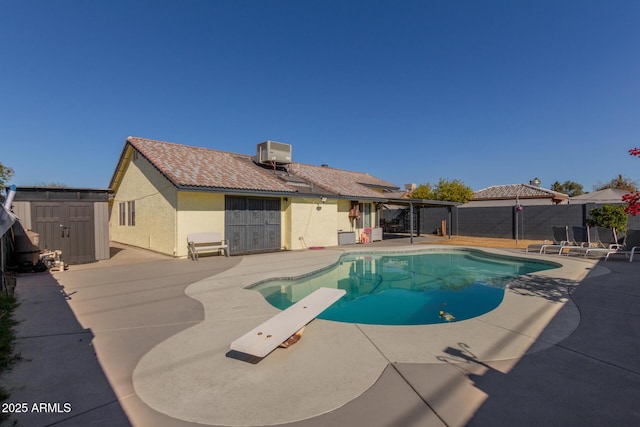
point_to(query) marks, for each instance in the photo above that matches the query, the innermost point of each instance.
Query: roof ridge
(331, 167)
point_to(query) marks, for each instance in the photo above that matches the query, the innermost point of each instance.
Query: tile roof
(516, 190)
(342, 182)
(188, 166)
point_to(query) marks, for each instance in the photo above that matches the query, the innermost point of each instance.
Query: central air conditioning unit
(273, 152)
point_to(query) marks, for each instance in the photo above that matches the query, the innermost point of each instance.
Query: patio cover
(423, 203)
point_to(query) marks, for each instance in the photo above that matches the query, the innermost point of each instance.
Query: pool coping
(190, 376)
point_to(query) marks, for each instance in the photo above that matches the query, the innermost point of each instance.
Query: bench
(206, 242)
(263, 339)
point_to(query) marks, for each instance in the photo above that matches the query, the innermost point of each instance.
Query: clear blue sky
(488, 92)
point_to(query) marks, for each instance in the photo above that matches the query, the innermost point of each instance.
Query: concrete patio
(561, 349)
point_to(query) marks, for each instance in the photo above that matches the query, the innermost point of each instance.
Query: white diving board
(265, 338)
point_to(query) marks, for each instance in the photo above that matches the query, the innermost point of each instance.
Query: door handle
(63, 228)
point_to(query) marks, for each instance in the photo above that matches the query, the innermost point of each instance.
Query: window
(127, 213)
(131, 210)
(121, 213)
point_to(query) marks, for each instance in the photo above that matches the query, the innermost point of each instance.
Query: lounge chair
(560, 239)
(263, 339)
(630, 246)
(604, 242)
(581, 241)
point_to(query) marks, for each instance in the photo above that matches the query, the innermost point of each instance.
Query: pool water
(408, 289)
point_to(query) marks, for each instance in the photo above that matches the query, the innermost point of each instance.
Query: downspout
(175, 226)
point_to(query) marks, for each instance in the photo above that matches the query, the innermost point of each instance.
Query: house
(162, 191)
(511, 195)
(606, 196)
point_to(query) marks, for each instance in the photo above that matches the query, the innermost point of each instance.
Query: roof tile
(188, 166)
(516, 190)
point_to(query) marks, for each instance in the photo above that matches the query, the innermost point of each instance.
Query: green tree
(452, 191)
(423, 191)
(619, 183)
(446, 190)
(610, 216)
(6, 173)
(52, 185)
(570, 188)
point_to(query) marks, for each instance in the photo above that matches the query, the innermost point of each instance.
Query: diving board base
(263, 339)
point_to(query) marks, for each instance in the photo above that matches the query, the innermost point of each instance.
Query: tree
(6, 173)
(446, 190)
(620, 183)
(52, 185)
(570, 188)
(423, 191)
(632, 198)
(608, 216)
(452, 191)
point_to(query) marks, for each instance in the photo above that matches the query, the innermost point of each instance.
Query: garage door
(252, 224)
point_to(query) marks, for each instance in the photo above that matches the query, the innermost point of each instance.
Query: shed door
(252, 224)
(68, 226)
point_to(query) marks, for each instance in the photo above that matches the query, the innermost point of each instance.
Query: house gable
(139, 187)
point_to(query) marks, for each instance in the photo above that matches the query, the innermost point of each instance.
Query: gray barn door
(67, 226)
(252, 224)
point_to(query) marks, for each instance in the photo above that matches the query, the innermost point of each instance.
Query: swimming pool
(408, 288)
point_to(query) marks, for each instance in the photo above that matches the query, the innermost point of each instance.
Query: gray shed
(73, 220)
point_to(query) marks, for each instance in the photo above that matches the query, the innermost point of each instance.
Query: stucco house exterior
(163, 191)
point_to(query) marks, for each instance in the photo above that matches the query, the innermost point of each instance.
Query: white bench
(265, 338)
(206, 242)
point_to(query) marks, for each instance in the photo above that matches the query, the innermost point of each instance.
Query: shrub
(609, 216)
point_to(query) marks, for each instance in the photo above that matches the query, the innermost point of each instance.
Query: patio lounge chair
(560, 239)
(606, 240)
(630, 246)
(581, 241)
(263, 339)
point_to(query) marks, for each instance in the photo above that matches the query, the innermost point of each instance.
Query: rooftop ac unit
(273, 152)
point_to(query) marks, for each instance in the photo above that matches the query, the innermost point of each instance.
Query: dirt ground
(485, 242)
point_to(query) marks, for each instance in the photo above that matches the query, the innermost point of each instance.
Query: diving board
(265, 338)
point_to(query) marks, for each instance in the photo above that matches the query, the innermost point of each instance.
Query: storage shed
(73, 220)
